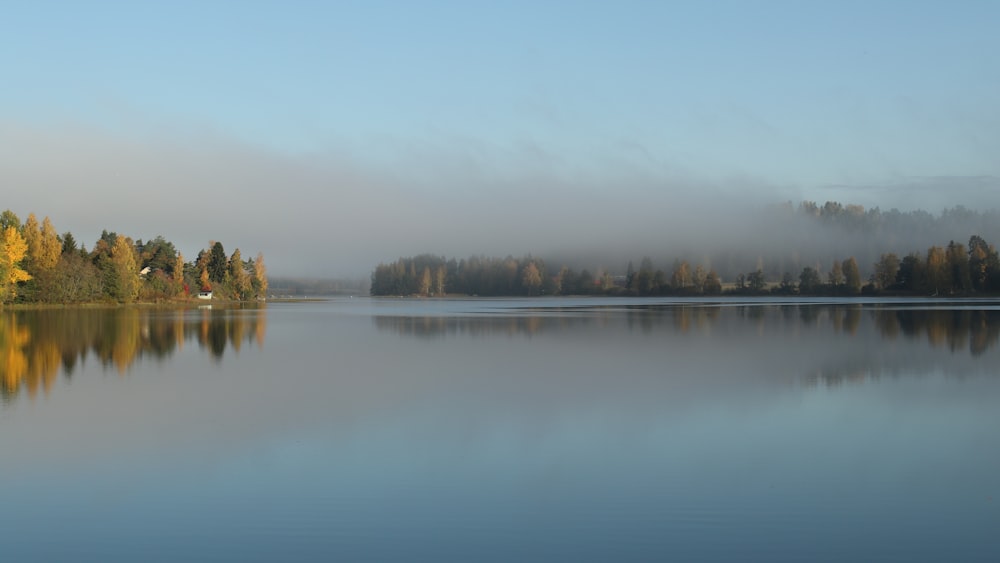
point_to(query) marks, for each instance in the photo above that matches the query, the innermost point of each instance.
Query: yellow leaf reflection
(13, 362)
(37, 346)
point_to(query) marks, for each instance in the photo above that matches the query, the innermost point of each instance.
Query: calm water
(503, 430)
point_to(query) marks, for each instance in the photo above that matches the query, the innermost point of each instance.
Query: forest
(39, 265)
(945, 268)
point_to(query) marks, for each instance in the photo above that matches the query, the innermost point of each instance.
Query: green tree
(787, 284)
(568, 282)
(644, 279)
(912, 273)
(585, 282)
(713, 285)
(75, 280)
(660, 283)
(217, 263)
(69, 244)
(103, 246)
(9, 219)
(958, 267)
(756, 281)
(158, 254)
(809, 281)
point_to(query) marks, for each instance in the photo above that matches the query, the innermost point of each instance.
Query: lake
(503, 430)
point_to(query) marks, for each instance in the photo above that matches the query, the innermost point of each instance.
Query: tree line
(38, 265)
(430, 275)
(954, 269)
(788, 237)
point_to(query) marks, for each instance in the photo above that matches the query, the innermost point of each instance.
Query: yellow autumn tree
(937, 269)
(179, 274)
(44, 250)
(12, 251)
(239, 279)
(440, 275)
(202, 265)
(203, 280)
(32, 234)
(531, 279)
(260, 275)
(123, 280)
(50, 248)
(424, 287)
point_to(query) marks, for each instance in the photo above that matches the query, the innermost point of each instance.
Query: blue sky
(392, 115)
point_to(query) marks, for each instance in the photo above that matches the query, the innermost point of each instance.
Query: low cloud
(929, 193)
(334, 214)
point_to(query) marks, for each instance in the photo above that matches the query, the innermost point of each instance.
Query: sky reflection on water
(407, 430)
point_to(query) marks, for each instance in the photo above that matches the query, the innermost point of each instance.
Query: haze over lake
(668, 151)
(503, 430)
(334, 135)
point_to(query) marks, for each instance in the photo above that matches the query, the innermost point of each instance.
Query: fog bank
(331, 213)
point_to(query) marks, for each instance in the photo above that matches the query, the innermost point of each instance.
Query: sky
(332, 136)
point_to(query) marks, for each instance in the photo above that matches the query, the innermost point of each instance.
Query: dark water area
(503, 430)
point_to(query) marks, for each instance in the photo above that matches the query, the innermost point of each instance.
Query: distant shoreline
(726, 297)
(192, 303)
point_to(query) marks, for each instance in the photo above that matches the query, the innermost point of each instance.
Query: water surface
(503, 430)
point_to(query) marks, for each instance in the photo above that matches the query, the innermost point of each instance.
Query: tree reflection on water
(814, 344)
(36, 346)
(978, 330)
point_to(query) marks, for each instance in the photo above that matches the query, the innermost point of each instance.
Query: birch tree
(13, 249)
(122, 274)
(260, 275)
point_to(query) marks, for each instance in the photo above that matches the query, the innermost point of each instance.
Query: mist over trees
(38, 265)
(808, 249)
